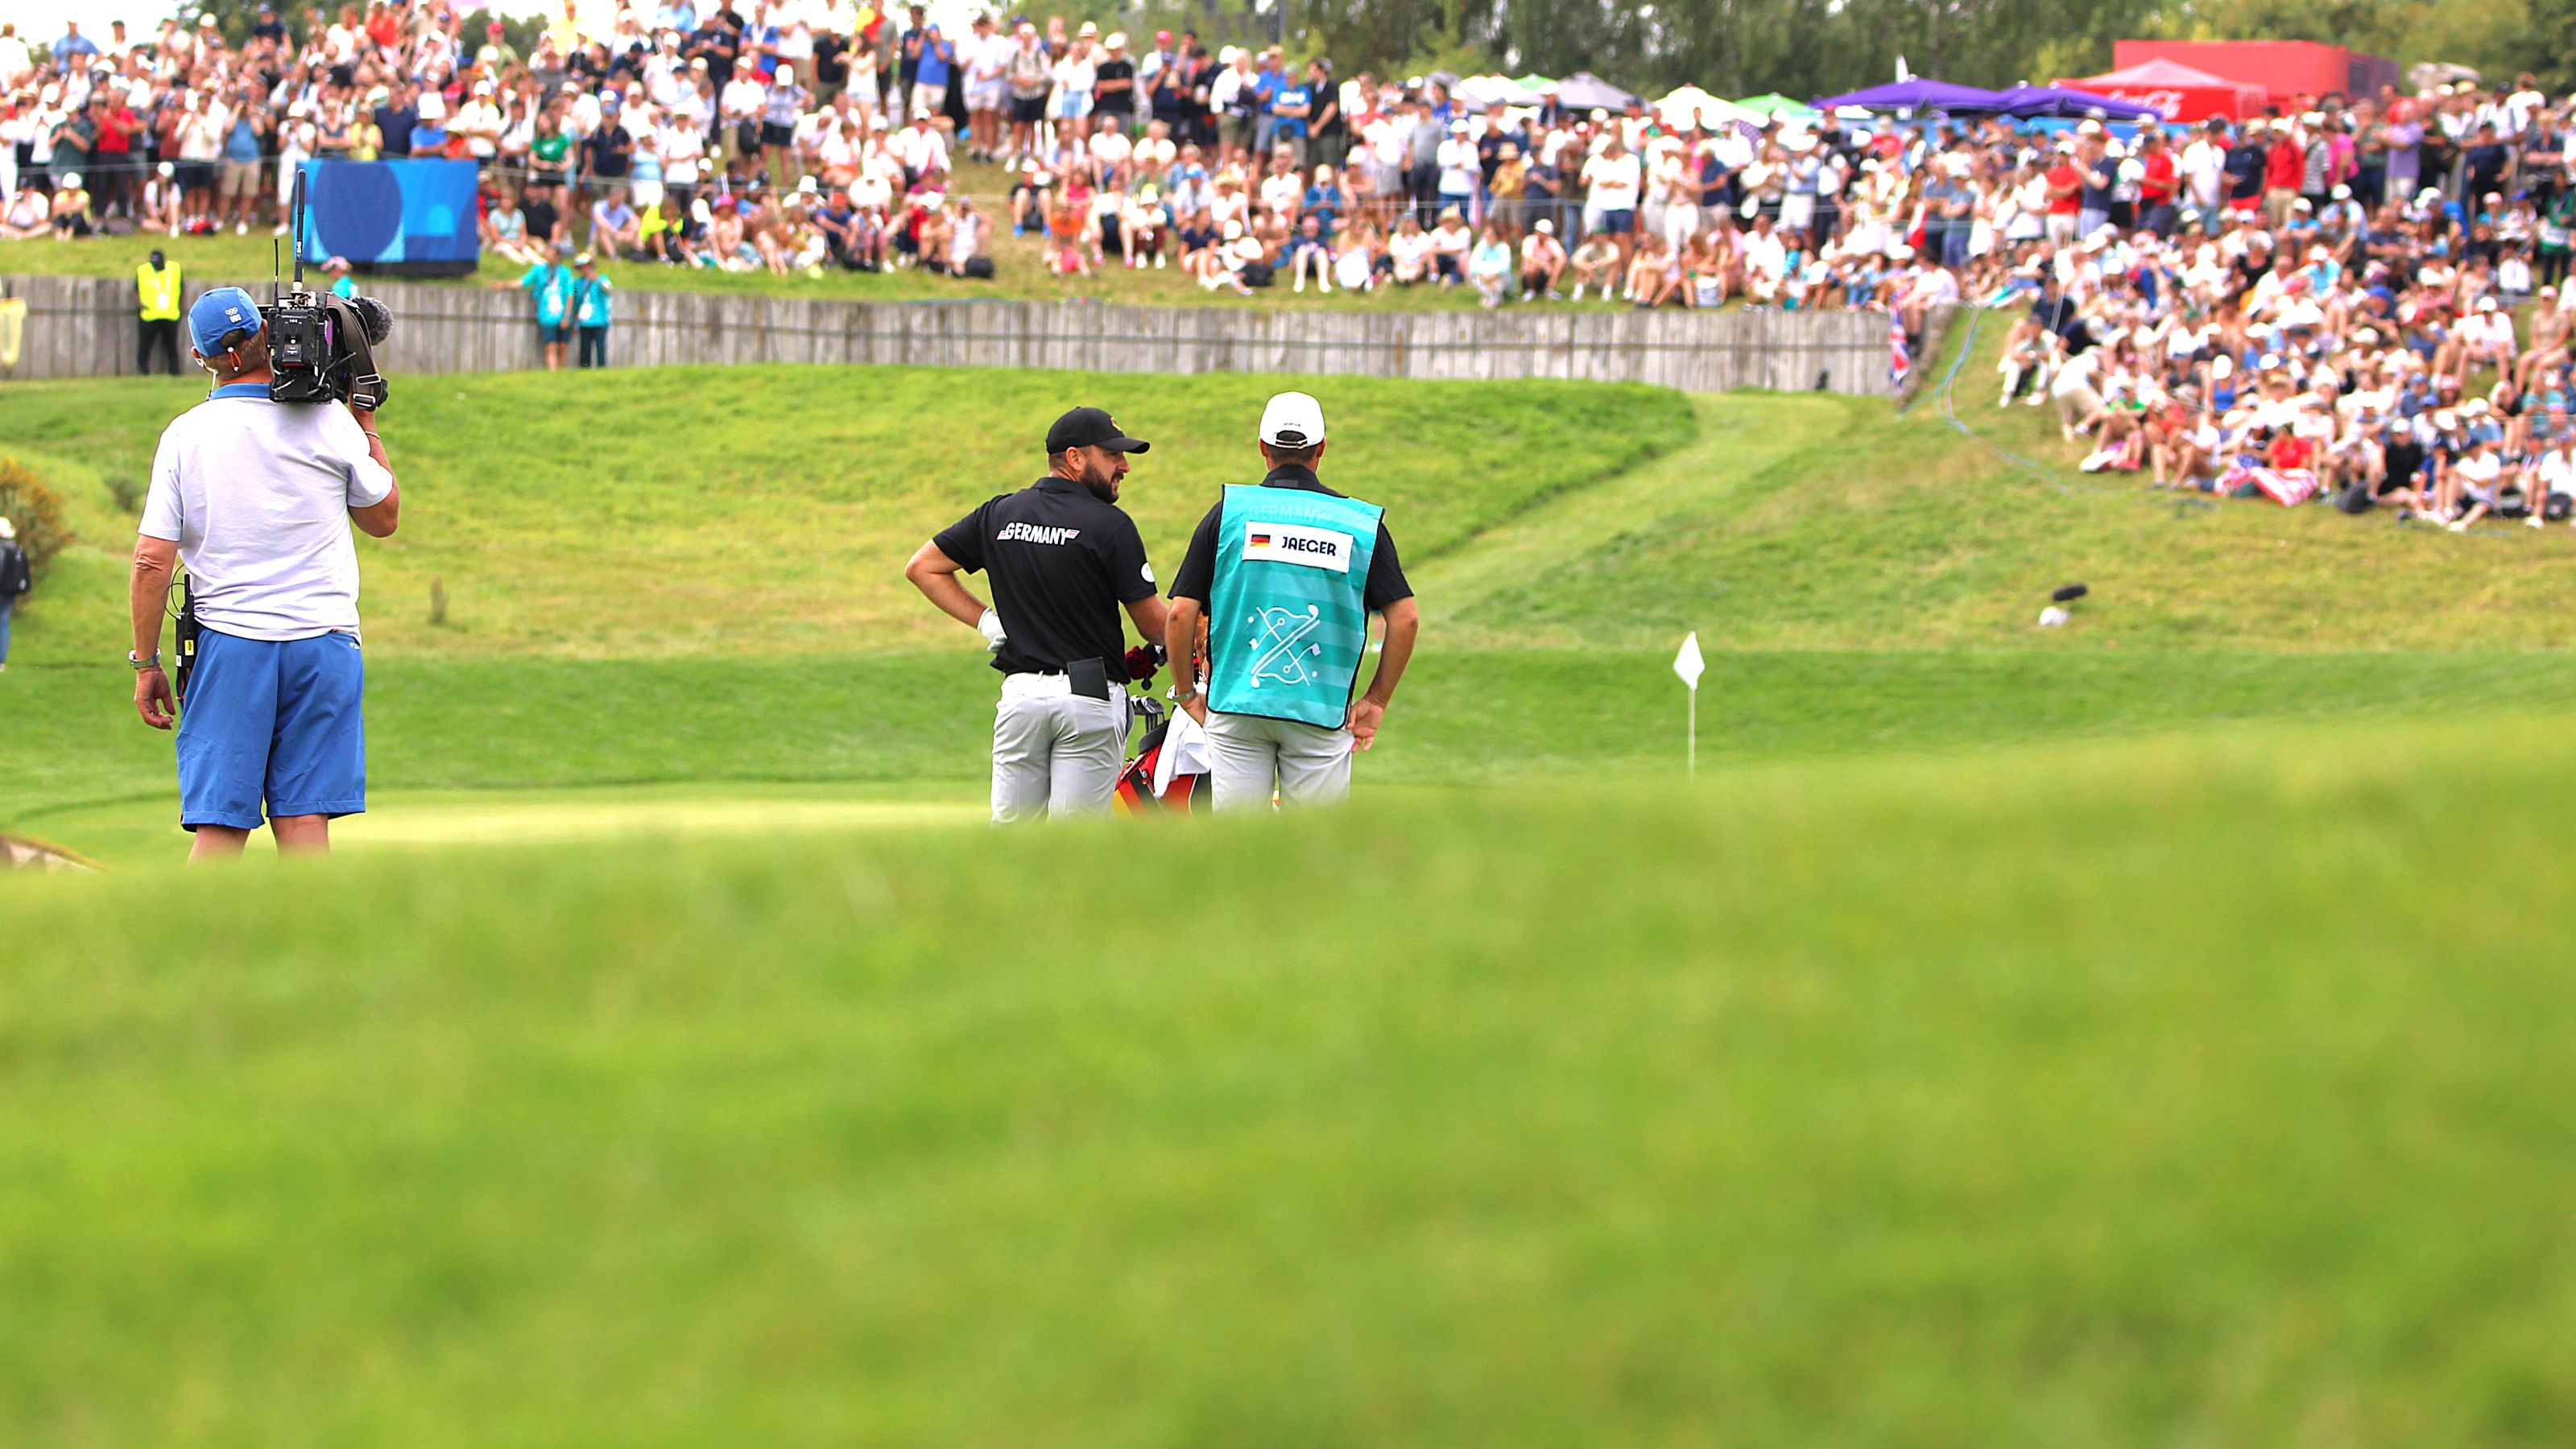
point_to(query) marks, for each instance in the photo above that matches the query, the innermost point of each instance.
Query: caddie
(1063, 558)
(1286, 575)
(256, 497)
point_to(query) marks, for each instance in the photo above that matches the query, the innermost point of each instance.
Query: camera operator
(256, 497)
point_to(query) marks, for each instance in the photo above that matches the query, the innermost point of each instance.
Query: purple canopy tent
(2030, 101)
(1919, 95)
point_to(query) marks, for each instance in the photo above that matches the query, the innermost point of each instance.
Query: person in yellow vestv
(156, 306)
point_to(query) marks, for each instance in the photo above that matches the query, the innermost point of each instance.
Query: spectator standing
(156, 298)
(1113, 86)
(15, 580)
(593, 297)
(551, 284)
(1611, 181)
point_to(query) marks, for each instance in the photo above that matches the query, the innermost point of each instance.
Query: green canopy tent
(1779, 105)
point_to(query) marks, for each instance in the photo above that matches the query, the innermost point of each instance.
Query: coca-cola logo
(2167, 104)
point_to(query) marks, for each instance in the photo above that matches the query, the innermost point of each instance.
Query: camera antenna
(296, 208)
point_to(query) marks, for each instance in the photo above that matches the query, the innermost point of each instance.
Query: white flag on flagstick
(1688, 664)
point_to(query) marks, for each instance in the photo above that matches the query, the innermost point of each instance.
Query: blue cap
(219, 312)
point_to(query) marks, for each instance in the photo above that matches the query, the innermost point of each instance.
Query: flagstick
(1694, 733)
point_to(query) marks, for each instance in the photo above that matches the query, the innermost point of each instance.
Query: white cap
(8, 529)
(1292, 420)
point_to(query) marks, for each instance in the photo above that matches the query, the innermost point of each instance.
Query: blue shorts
(1618, 223)
(559, 332)
(279, 723)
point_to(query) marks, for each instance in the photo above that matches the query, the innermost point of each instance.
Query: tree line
(1807, 48)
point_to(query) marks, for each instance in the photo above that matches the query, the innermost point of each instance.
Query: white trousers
(1056, 753)
(1250, 754)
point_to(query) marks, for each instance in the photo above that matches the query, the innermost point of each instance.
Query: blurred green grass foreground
(2131, 1092)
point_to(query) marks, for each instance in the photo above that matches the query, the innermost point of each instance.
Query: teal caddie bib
(1288, 611)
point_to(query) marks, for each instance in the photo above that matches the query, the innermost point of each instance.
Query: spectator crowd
(2315, 303)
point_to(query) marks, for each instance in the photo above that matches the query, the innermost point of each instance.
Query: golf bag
(1173, 751)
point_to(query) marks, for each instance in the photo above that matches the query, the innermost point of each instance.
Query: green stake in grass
(1690, 667)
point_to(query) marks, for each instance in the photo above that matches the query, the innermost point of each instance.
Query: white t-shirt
(2558, 471)
(257, 496)
(1614, 181)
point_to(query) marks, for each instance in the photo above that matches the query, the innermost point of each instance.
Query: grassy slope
(1873, 531)
(563, 518)
(1884, 1104)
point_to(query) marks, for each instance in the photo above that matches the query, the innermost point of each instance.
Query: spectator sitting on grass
(1410, 250)
(1310, 252)
(1142, 228)
(505, 232)
(1360, 258)
(1595, 263)
(1068, 210)
(1542, 261)
(2473, 483)
(615, 230)
(2552, 479)
(1225, 264)
(1489, 266)
(1101, 229)
(1027, 202)
(1198, 233)
(69, 214)
(1450, 243)
(970, 236)
(728, 245)
(1653, 279)
(660, 231)
(26, 216)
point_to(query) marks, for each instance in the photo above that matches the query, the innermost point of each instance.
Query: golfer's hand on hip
(1366, 714)
(153, 700)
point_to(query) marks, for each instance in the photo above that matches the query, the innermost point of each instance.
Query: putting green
(140, 832)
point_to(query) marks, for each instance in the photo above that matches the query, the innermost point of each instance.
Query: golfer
(1063, 558)
(257, 498)
(1286, 575)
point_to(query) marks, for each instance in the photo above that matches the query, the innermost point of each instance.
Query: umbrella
(1775, 104)
(1919, 95)
(1584, 91)
(1691, 106)
(2028, 101)
(1489, 90)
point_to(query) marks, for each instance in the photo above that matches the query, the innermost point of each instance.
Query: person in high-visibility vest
(156, 298)
(1286, 574)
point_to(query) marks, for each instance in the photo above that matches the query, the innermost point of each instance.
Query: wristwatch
(140, 664)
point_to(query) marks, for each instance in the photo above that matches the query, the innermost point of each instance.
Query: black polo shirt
(1197, 577)
(1062, 561)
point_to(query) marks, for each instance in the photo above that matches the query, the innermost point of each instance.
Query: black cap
(1091, 428)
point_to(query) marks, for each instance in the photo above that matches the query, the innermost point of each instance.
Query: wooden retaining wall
(84, 327)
